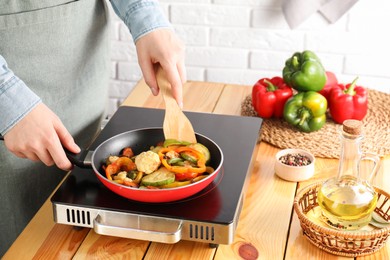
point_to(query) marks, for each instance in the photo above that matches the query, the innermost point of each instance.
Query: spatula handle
(176, 125)
(165, 86)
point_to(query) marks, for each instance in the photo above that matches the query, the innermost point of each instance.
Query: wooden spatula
(176, 125)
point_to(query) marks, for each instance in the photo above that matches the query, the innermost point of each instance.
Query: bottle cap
(352, 126)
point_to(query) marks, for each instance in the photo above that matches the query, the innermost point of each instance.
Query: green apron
(60, 49)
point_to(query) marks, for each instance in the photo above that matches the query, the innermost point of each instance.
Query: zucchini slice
(169, 142)
(203, 149)
(157, 178)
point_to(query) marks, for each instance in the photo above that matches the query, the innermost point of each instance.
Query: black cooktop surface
(217, 203)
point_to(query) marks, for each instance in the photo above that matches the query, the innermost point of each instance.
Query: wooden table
(267, 221)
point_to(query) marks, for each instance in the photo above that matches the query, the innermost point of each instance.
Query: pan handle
(138, 227)
(81, 159)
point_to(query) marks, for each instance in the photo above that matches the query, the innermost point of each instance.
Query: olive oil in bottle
(349, 205)
(347, 201)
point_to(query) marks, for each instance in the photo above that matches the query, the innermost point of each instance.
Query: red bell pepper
(128, 152)
(331, 81)
(269, 97)
(348, 102)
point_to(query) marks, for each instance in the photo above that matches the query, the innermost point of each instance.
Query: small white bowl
(294, 173)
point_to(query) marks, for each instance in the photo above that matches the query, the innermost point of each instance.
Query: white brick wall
(240, 41)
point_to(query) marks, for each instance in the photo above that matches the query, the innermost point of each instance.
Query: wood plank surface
(262, 214)
(139, 96)
(107, 247)
(230, 101)
(197, 96)
(41, 224)
(264, 220)
(201, 96)
(182, 250)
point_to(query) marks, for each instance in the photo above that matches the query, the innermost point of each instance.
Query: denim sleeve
(140, 16)
(16, 99)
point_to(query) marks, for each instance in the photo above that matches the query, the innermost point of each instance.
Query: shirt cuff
(140, 16)
(16, 101)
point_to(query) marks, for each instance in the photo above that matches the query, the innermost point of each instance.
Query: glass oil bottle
(347, 200)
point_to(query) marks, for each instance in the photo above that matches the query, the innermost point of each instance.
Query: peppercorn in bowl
(294, 164)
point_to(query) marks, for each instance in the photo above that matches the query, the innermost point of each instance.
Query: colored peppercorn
(295, 159)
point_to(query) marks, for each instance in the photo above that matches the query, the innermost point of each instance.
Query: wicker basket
(343, 243)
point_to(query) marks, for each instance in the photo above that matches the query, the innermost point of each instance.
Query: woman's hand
(162, 46)
(39, 136)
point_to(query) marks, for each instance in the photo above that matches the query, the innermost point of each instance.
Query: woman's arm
(30, 129)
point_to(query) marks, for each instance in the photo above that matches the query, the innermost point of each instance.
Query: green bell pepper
(306, 111)
(304, 72)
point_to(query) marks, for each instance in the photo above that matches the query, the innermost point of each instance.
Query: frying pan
(141, 140)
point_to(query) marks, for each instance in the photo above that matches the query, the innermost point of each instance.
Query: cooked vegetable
(189, 157)
(183, 176)
(269, 97)
(176, 165)
(155, 149)
(348, 102)
(176, 184)
(160, 177)
(188, 168)
(304, 72)
(203, 149)
(111, 159)
(306, 111)
(128, 152)
(138, 177)
(169, 142)
(147, 162)
(176, 161)
(183, 183)
(121, 164)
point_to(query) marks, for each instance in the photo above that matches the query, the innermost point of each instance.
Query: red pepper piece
(128, 152)
(348, 102)
(185, 176)
(269, 97)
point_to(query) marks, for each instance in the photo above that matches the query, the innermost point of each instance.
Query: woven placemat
(325, 142)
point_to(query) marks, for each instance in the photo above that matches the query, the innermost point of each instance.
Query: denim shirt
(17, 100)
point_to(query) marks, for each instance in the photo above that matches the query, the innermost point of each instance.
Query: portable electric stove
(209, 216)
